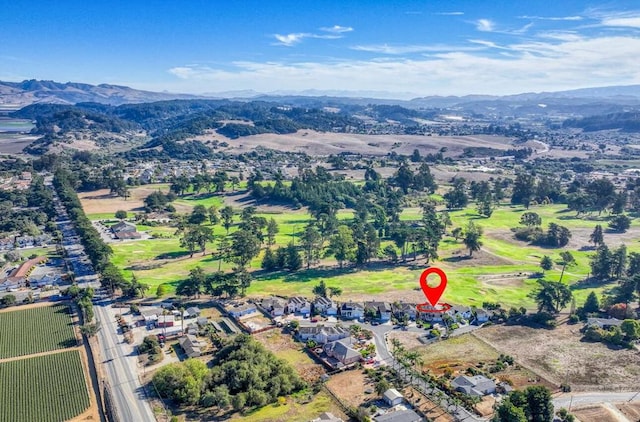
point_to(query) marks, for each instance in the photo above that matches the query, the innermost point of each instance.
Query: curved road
(580, 399)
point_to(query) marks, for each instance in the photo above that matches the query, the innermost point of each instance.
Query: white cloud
(411, 48)
(526, 66)
(290, 39)
(484, 25)
(630, 22)
(553, 18)
(337, 29)
(450, 13)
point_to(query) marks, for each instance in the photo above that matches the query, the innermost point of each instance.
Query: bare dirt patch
(560, 356)
(27, 306)
(408, 339)
(319, 143)
(102, 201)
(350, 386)
(460, 258)
(428, 408)
(595, 414)
(630, 410)
(283, 346)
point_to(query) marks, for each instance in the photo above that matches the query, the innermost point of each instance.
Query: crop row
(49, 388)
(35, 330)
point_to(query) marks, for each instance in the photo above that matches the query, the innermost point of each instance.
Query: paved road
(119, 359)
(580, 399)
(120, 365)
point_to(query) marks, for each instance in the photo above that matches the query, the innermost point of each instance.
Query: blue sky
(390, 48)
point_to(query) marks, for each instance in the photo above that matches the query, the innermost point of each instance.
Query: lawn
(35, 330)
(295, 410)
(505, 271)
(49, 388)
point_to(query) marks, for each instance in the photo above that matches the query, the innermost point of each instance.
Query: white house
(299, 305)
(392, 397)
(478, 385)
(321, 334)
(325, 306)
(352, 310)
(275, 306)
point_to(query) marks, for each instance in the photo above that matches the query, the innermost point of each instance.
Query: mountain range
(578, 102)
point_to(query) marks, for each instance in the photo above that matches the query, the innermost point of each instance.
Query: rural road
(120, 365)
(581, 399)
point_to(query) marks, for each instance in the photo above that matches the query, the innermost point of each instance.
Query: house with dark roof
(401, 310)
(477, 385)
(604, 323)
(352, 310)
(342, 351)
(381, 310)
(406, 415)
(123, 230)
(191, 345)
(325, 306)
(191, 312)
(433, 314)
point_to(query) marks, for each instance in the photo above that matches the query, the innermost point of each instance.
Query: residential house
(481, 316)
(242, 309)
(392, 397)
(458, 311)
(604, 323)
(19, 275)
(477, 385)
(6, 243)
(381, 310)
(406, 415)
(124, 230)
(165, 321)
(325, 306)
(274, 305)
(299, 305)
(352, 310)
(191, 312)
(327, 417)
(150, 315)
(432, 314)
(322, 334)
(191, 345)
(403, 310)
(342, 351)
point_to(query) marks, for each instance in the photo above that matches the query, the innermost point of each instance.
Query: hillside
(20, 94)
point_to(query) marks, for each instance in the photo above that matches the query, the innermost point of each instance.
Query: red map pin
(433, 294)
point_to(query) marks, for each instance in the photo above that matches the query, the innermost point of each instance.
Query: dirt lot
(461, 352)
(595, 414)
(283, 346)
(350, 386)
(101, 201)
(630, 410)
(426, 406)
(318, 143)
(560, 356)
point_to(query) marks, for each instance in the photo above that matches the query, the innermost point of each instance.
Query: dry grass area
(102, 201)
(426, 406)
(350, 386)
(408, 339)
(318, 143)
(461, 352)
(630, 410)
(595, 414)
(559, 355)
(284, 347)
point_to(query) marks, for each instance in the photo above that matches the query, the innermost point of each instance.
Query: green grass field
(502, 272)
(292, 411)
(35, 330)
(49, 388)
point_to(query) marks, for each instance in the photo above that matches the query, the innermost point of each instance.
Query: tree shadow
(458, 258)
(173, 255)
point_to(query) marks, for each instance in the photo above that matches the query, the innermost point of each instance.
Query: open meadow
(504, 270)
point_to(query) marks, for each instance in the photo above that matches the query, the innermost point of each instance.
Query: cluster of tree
(158, 201)
(202, 181)
(533, 404)
(282, 258)
(556, 235)
(624, 121)
(24, 211)
(215, 284)
(624, 335)
(151, 346)
(82, 298)
(529, 190)
(244, 375)
(95, 248)
(517, 153)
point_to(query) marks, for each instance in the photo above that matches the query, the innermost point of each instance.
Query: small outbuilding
(392, 397)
